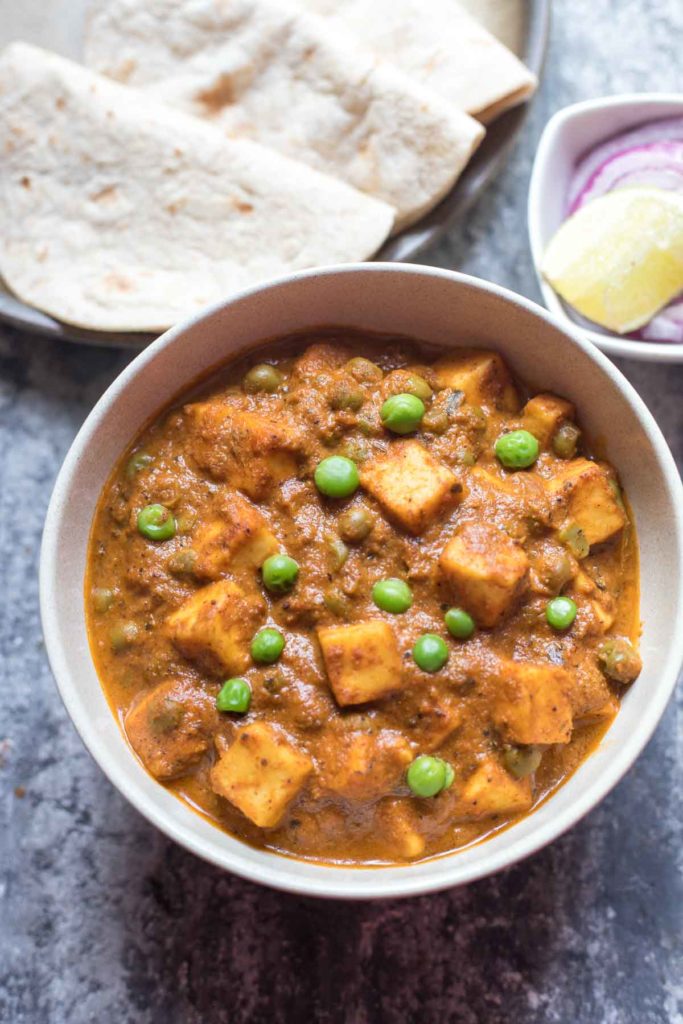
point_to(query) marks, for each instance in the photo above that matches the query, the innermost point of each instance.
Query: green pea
(364, 371)
(156, 522)
(267, 645)
(619, 660)
(435, 420)
(102, 599)
(337, 604)
(450, 776)
(418, 386)
(560, 612)
(522, 761)
(138, 460)
(430, 652)
(459, 624)
(517, 450)
(338, 552)
(427, 776)
(337, 477)
(183, 562)
(122, 636)
(345, 398)
(566, 440)
(167, 717)
(402, 414)
(466, 457)
(279, 573)
(262, 377)
(392, 595)
(575, 539)
(356, 449)
(235, 696)
(355, 524)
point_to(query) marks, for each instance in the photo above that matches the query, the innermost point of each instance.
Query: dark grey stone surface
(102, 919)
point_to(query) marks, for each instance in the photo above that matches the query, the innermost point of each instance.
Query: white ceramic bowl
(446, 309)
(568, 135)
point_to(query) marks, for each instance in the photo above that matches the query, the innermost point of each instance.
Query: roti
(120, 213)
(440, 45)
(266, 70)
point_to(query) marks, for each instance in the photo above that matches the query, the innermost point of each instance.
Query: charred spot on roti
(222, 93)
(118, 282)
(25, 182)
(106, 195)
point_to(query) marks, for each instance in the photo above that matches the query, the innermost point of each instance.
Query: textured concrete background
(102, 919)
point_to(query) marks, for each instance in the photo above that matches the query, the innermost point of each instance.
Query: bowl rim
(612, 344)
(273, 869)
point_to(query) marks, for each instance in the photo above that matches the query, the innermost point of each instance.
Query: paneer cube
(544, 414)
(491, 792)
(215, 626)
(485, 570)
(399, 823)
(169, 728)
(481, 375)
(412, 487)
(437, 717)
(597, 610)
(260, 773)
(238, 536)
(531, 704)
(363, 766)
(362, 661)
(252, 451)
(590, 696)
(584, 494)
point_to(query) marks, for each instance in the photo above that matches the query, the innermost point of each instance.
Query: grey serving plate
(530, 32)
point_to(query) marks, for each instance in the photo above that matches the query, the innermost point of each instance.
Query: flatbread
(439, 44)
(119, 213)
(268, 71)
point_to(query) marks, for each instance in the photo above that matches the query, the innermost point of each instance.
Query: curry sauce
(447, 639)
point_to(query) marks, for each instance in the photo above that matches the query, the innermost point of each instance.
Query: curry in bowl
(362, 604)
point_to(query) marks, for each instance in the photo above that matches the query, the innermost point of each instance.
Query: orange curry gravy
(317, 767)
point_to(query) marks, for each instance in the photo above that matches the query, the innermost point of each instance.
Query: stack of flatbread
(216, 143)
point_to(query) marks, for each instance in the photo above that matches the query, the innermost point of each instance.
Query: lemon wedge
(619, 259)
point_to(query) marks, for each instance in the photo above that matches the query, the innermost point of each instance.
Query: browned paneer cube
(597, 608)
(492, 792)
(362, 661)
(584, 495)
(215, 626)
(363, 765)
(399, 823)
(412, 487)
(481, 375)
(485, 570)
(590, 696)
(169, 727)
(260, 773)
(531, 704)
(253, 451)
(544, 414)
(237, 536)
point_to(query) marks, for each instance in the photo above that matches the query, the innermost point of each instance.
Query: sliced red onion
(666, 325)
(649, 154)
(669, 129)
(657, 164)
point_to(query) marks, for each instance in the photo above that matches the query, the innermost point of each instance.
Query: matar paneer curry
(362, 604)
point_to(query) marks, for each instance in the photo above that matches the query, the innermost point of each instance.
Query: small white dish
(444, 309)
(568, 135)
